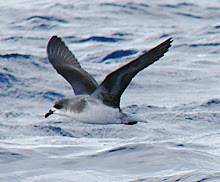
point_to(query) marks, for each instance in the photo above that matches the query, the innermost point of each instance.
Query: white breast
(96, 112)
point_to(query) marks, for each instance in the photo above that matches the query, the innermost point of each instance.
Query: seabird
(94, 103)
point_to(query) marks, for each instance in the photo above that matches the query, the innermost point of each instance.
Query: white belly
(98, 113)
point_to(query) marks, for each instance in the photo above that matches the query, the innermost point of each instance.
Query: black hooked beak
(49, 113)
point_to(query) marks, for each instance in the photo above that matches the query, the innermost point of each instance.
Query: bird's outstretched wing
(67, 65)
(111, 89)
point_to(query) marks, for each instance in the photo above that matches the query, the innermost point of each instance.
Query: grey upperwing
(67, 65)
(111, 89)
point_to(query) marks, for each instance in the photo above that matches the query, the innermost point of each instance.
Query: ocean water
(179, 96)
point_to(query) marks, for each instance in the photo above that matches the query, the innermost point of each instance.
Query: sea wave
(118, 54)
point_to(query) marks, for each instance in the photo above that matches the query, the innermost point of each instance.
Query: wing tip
(163, 47)
(54, 37)
(53, 40)
(56, 47)
(169, 41)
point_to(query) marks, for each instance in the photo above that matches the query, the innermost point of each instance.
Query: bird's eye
(58, 106)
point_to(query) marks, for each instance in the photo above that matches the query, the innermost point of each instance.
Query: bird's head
(68, 107)
(59, 107)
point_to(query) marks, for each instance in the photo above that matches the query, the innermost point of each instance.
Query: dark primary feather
(67, 65)
(111, 89)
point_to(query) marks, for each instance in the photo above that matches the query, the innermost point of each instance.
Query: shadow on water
(119, 54)
(98, 39)
(53, 129)
(7, 156)
(7, 80)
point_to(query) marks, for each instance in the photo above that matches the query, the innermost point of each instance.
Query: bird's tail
(131, 119)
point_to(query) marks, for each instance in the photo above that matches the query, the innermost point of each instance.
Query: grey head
(68, 105)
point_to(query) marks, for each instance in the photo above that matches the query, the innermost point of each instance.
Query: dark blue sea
(179, 95)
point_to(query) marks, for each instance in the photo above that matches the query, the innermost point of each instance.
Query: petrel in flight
(96, 103)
